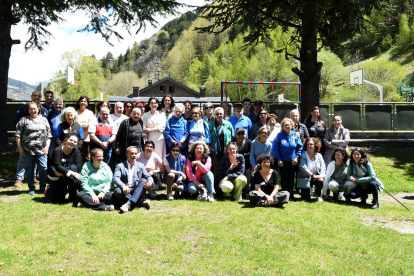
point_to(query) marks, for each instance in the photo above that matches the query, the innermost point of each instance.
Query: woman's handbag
(303, 183)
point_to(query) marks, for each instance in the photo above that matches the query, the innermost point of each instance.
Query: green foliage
(162, 40)
(88, 71)
(332, 70)
(403, 36)
(386, 42)
(121, 84)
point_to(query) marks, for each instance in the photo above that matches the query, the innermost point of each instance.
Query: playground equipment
(356, 78)
(408, 93)
(70, 77)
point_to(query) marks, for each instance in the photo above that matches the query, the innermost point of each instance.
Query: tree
(403, 36)
(310, 23)
(39, 14)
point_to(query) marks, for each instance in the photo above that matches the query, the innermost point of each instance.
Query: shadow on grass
(352, 203)
(13, 192)
(401, 157)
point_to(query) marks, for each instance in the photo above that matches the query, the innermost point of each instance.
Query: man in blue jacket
(131, 178)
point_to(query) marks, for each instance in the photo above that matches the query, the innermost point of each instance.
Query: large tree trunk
(6, 21)
(310, 72)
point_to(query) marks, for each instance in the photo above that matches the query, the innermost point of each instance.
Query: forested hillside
(384, 50)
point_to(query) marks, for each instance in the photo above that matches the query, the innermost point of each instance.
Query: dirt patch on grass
(402, 197)
(11, 198)
(403, 226)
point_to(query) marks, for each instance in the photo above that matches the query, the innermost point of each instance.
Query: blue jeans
(20, 168)
(30, 162)
(135, 195)
(207, 179)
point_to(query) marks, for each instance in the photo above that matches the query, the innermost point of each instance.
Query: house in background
(166, 86)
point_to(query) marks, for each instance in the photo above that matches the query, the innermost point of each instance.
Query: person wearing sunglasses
(244, 146)
(175, 176)
(260, 146)
(208, 116)
(256, 126)
(128, 106)
(198, 129)
(222, 133)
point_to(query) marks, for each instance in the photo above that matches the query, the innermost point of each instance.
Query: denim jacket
(303, 168)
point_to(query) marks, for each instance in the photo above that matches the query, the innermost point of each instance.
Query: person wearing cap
(222, 133)
(239, 120)
(244, 146)
(254, 116)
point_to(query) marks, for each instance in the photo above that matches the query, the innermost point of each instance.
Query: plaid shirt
(224, 166)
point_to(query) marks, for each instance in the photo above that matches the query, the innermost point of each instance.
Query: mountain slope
(18, 90)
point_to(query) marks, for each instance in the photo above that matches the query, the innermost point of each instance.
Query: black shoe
(364, 199)
(375, 204)
(347, 198)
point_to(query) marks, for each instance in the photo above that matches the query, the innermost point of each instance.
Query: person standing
(254, 116)
(208, 117)
(33, 140)
(247, 103)
(316, 126)
(117, 118)
(287, 149)
(54, 120)
(300, 129)
(239, 120)
(261, 145)
(48, 104)
(129, 135)
(68, 127)
(85, 118)
(167, 106)
(36, 97)
(128, 106)
(188, 105)
(103, 133)
(259, 123)
(335, 137)
(154, 122)
(176, 129)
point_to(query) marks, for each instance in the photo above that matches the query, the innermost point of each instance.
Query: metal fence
(356, 116)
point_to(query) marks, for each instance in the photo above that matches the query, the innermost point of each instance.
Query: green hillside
(384, 49)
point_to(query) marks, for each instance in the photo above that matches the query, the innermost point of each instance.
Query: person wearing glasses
(154, 122)
(287, 149)
(127, 110)
(208, 116)
(198, 129)
(222, 133)
(167, 106)
(231, 173)
(244, 146)
(175, 176)
(261, 145)
(176, 129)
(255, 128)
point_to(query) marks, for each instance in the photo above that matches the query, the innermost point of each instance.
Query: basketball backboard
(71, 75)
(356, 77)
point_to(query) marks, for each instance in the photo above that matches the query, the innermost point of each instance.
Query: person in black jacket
(129, 134)
(316, 126)
(64, 171)
(244, 146)
(69, 126)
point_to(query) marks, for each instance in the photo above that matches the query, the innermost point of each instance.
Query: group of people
(202, 153)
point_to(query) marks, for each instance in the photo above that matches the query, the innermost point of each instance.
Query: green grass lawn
(186, 237)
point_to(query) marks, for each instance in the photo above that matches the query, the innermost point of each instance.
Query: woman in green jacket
(362, 172)
(221, 132)
(96, 178)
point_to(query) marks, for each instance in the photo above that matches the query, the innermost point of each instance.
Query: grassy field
(186, 237)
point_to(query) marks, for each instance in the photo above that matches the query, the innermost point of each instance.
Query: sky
(34, 66)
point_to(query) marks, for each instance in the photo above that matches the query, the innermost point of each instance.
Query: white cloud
(35, 66)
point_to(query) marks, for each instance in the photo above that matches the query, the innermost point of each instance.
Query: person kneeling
(63, 176)
(131, 178)
(266, 182)
(96, 178)
(231, 173)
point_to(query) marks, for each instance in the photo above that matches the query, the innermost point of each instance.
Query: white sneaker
(170, 196)
(109, 208)
(210, 197)
(320, 198)
(79, 204)
(146, 204)
(203, 194)
(340, 195)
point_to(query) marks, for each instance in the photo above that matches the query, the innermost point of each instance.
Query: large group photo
(206, 137)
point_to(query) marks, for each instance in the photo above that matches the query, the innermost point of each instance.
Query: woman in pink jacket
(198, 172)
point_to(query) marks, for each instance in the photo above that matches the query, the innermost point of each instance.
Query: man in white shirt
(117, 119)
(131, 178)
